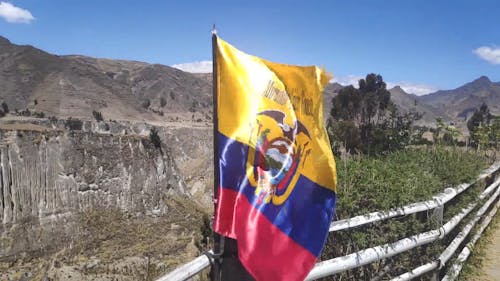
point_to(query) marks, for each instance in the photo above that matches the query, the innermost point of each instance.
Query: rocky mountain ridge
(454, 106)
(70, 188)
(460, 103)
(74, 86)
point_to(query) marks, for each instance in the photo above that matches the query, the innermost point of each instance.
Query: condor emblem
(272, 166)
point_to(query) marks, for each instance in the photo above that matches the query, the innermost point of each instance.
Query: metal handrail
(436, 201)
(369, 255)
(189, 269)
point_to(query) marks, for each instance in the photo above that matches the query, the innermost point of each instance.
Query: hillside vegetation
(379, 183)
(368, 184)
(384, 163)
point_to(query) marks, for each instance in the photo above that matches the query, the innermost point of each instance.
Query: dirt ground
(491, 265)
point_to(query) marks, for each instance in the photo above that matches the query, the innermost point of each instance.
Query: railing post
(435, 275)
(436, 216)
(436, 220)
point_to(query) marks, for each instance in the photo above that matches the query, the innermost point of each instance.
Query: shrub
(368, 184)
(5, 107)
(365, 120)
(146, 103)
(97, 115)
(155, 138)
(73, 124)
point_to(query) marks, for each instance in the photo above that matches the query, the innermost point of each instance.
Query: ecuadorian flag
(277, 180)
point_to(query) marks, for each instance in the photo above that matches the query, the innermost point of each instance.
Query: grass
(368, 184)
(472, 268)
(380, 183)
(125, 246)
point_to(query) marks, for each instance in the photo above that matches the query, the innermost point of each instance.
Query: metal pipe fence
(369, 255)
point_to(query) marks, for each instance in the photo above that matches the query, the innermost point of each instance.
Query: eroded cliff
(73, 192)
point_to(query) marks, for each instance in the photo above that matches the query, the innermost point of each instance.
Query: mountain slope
(408, 102)
(74, 86)
(329, 92)
(461, 102)
(404, 101)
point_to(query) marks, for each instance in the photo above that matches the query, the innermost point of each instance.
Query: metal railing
(369, 255)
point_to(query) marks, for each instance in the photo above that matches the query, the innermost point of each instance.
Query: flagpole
(226, 265)
(218, 249)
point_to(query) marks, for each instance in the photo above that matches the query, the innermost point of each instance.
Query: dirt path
(491, 265)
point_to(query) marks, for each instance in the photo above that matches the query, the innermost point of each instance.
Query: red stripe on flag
(224, 215)
(265, 251)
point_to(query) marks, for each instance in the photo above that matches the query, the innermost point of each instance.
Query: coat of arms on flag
(277, 177)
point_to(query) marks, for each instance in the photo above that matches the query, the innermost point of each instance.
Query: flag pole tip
(214, 31)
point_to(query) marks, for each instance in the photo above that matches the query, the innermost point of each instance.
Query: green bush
(365, 120)
(368, 184)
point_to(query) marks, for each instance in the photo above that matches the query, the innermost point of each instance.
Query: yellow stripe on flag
(252, 92)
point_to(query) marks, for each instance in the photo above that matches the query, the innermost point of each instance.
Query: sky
(421, 45)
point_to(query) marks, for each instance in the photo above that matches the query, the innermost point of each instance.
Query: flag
(277, 176)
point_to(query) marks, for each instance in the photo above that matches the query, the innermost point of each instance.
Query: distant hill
(74, 86)
(454, 106)
(329, 92)
(460, 103)
(404, 101)
(409, 102)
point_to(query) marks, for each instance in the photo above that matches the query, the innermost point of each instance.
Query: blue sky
(422, 45)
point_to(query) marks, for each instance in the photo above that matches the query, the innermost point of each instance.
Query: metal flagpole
(218, 239)
(226, 266)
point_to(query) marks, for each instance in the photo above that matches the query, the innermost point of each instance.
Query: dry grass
(112, 245)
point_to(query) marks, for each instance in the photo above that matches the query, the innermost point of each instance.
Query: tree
(5, 107)
(163, 102)
(481, 137)
(154, 137)
(146, 103)
(445, 134)
(481, 118)
(366, 120)
(97, 115)
(437, 135)
(495, 132)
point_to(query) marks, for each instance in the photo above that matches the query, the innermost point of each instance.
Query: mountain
(74, 86)
(409, 102)
(460, 103)
(329, 92)
(404, 101)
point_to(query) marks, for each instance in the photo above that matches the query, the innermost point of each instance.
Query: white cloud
(489, 54)
(195, 67)
(413, 88)
(409, 87)
(347, 80)
(14, 14)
